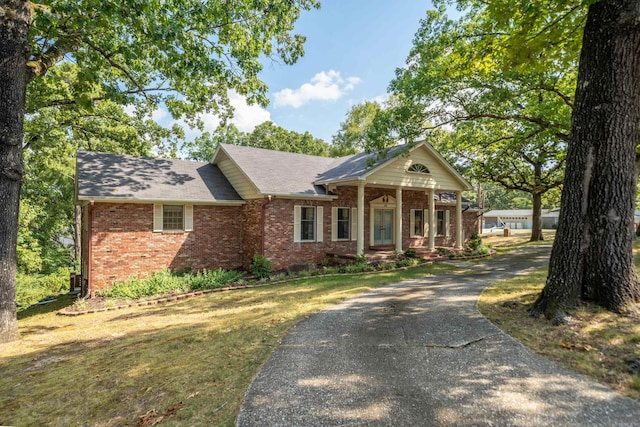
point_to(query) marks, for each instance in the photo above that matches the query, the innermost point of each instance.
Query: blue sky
(353, 48)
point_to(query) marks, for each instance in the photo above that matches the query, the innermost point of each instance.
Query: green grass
(595, 342)
(194, 357)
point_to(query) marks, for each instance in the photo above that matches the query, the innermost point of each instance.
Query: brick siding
(124, 245)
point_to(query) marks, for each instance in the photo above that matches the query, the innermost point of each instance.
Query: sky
(352, 51)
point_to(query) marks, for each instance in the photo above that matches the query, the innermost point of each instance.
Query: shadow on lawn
(61, 302)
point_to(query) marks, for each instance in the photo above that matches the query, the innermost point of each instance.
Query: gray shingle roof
(352, 167)
(279, 172)
(118, 176)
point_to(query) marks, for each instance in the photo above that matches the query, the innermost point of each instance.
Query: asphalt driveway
(418, 353)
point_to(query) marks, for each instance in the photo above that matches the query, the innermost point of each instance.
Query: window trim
(318, 220)
(158, 218)
(351, 224)
(445, 220)
(412, 222)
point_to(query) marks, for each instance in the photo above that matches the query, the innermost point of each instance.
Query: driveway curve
(418, 353)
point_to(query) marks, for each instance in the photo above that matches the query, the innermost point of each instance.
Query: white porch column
(398, 231)
(360, 235)
(459, 242)
(432, 219)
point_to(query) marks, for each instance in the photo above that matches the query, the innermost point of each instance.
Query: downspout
(89, 250)
(262, 221)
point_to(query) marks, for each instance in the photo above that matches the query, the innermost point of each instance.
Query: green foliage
(167, 282)
(407, 262)
(260, 266)
(162, 282)
(502, 78)
(98, 70)
(475, 241)
(210, 279)
(361, 259)
(352, 137)
(410, 253)
(31, 288)
(266, 135)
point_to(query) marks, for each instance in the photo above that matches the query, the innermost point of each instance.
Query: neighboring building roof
(519, 212)
(102, 176)
(450, 198)
(509, 212)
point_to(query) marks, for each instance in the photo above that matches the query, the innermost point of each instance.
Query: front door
(383, 226)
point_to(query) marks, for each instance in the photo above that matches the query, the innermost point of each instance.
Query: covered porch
(395, 201)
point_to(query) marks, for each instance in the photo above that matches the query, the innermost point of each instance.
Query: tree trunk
(536, 224)
(13, 56)
(592, 253)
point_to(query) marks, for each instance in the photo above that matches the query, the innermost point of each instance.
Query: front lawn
(189, 361)
(594, 342)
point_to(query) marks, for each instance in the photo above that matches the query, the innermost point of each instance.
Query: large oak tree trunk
(14, 18)
(592, 253)
(536, 221)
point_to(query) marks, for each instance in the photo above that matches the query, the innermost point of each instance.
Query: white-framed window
(442, 223)
(343, 223)
(172, 217)
(417, 222)
(308, 223)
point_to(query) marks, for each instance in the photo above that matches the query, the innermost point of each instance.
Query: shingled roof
(102, 176)
(279, 172)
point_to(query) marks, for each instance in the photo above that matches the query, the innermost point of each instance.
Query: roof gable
(364, 165)
(276, 172)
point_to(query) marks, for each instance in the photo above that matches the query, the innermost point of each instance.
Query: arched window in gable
(418, 168)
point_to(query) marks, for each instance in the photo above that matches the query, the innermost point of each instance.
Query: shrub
(410, 253)
(162, 282)
(211, 279)
(260, 266)
(475, 241)
(166, 282)
(361, 259)
(31, 288)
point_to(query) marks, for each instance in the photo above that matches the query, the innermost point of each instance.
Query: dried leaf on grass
(152, 417)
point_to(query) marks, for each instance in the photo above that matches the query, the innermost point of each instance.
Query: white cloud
(245, 117)
(324, 86)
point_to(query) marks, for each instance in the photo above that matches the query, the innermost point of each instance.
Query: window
(417, 223)
(442, 223)
(418, 168)
(172, 217)
(308, 224)
(344, 223)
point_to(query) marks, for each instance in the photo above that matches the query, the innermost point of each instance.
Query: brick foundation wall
(124, 244)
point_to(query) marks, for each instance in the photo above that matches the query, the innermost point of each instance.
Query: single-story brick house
(141, 215)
